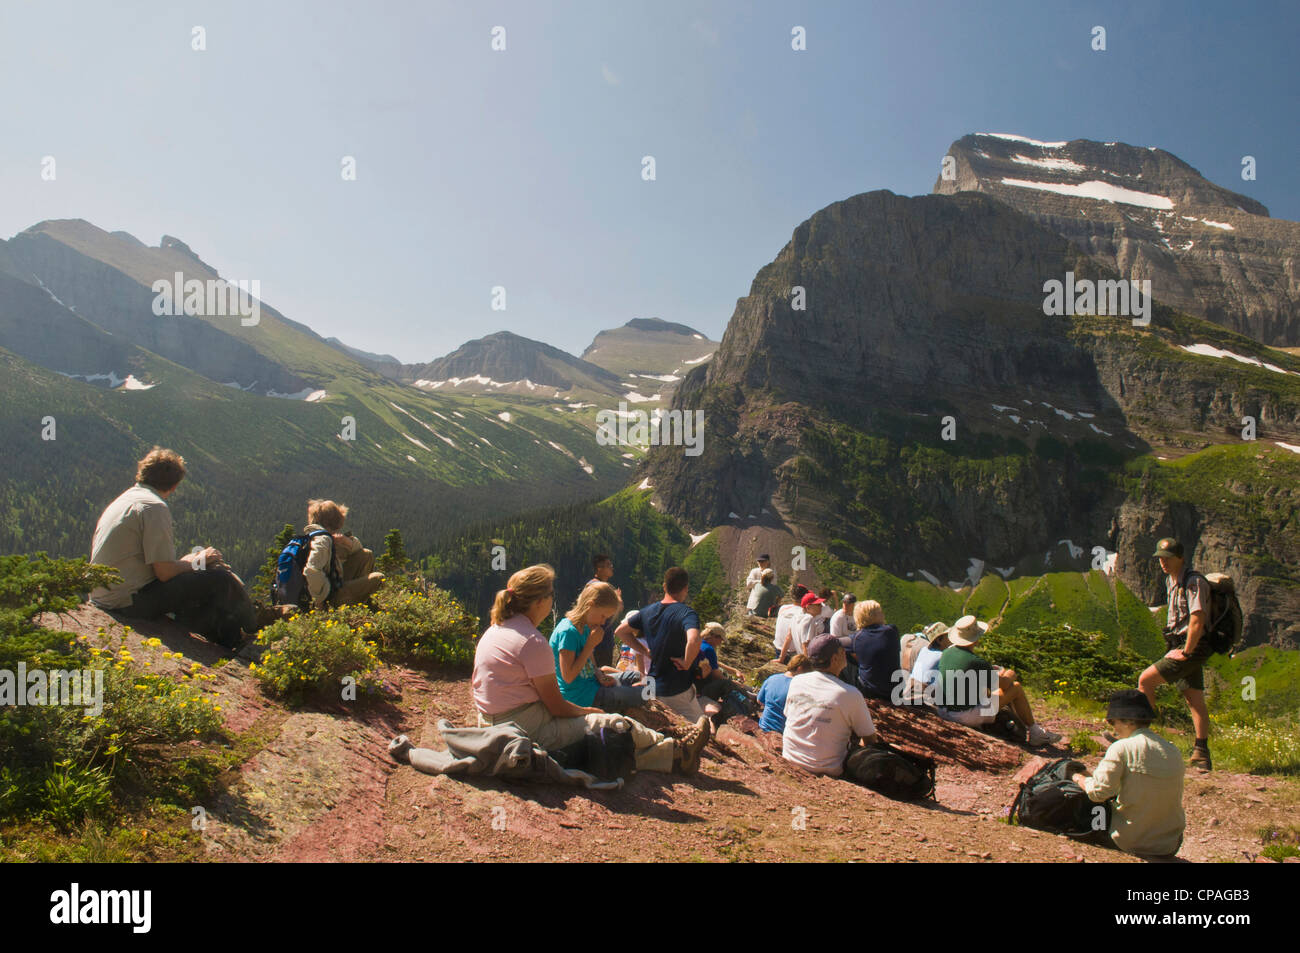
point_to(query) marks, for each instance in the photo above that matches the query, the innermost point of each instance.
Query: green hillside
(254, 461)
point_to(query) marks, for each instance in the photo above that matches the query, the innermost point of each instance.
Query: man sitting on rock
(764, 596)
(134, 536)
(1144, 773)
(823, 714)
(966, 685)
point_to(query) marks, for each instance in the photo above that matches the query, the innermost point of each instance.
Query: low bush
(311, 656)
(433, 628)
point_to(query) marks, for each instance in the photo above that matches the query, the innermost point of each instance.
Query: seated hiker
(802, 628)
(843, 626)
(339, 570)
(718, 682)
(876, 647)
(758, 572)
(134, 536)
(827, 596)
(574, 642)
(603, 567)
(514, 680)
(925, 668)
(785, 614)
(822, 714)
(773, 693)
(1144, 773)
(671, 631)
(764, 596)
(971, 691)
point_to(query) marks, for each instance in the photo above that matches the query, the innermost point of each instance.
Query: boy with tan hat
(971, 690)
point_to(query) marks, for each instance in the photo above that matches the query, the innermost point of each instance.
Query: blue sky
(522, 168)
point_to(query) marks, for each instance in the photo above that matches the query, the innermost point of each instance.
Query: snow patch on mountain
(1209, 350)
(1094, 189)
(1011, 137)
(1052, 164)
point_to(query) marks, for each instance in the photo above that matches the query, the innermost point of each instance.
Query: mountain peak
(660, 325)
(1006, 165)
(1145, 212)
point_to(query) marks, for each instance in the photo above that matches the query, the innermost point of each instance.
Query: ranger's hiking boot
(1200, 759)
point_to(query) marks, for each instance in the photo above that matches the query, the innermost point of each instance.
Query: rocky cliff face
(922, 410)
(1207, 251)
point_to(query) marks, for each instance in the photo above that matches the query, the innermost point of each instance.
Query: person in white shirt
(804, 628)
(823, 714)
(756, 574)
(786, 614)
(842, 624)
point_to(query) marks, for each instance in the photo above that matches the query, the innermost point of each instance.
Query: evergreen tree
(393, 561)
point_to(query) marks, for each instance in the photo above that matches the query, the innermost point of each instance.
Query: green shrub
(433, 628)
(73, 793)
(60, 762)
(311, 654)
(1061, 660)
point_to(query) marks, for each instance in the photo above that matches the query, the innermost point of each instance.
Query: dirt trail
(319, 785)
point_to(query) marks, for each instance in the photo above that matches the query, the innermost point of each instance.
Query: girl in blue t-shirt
(573, 642)
(774, 691)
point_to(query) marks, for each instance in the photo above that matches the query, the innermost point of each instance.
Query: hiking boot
(1040, 737)
(1200, 759)
(692, 743)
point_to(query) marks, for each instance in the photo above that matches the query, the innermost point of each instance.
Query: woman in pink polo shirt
(514, 680)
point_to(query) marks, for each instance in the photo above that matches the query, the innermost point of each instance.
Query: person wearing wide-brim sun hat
(971, 690)
(1144, 773)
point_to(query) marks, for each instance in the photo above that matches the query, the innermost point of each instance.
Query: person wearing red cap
(804, 627)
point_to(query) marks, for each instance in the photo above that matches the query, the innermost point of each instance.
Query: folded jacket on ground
(496, 750)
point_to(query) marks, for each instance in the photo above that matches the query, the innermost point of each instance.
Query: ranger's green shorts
(1189, 672)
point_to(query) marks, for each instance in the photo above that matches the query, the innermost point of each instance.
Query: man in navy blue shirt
(671, 630)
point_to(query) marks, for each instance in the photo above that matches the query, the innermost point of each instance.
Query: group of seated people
(134, 535)
(555, 693)
(556, 690)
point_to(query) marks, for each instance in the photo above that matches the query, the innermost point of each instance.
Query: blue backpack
(290, 587)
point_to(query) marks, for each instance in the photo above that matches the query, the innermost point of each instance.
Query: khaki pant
(360, 581)
(654, 752)
(685, 704)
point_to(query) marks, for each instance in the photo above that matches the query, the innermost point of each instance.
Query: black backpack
(896, 774)
(289, 588)
(1050, 801)
(606, 752)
